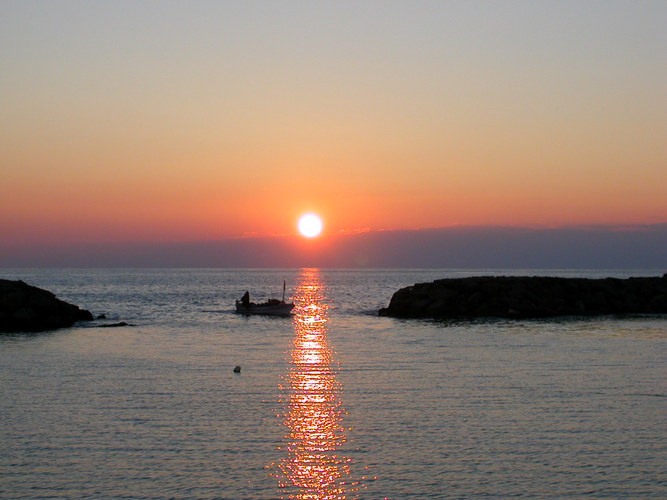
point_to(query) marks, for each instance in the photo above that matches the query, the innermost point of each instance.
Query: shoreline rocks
(26, 308)
(528, 297)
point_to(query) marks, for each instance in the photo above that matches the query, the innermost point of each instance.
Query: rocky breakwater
(26, 308)
(529, 297)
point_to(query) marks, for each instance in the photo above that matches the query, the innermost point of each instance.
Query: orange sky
(154, 122)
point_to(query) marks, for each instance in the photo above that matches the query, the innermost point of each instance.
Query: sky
(160, 121)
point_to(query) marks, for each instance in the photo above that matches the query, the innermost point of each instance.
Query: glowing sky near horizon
(177, 121)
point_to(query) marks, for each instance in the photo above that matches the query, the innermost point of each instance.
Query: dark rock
(237, 369)
(528, 297)
(25, 308)
(115, 325)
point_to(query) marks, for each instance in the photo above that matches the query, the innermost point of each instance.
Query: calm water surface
(332, 403)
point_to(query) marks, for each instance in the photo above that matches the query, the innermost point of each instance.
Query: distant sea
(334, 402)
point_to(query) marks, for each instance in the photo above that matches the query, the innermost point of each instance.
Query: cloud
(599, 247)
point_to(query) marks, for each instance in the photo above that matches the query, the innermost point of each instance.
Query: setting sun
(310, 225)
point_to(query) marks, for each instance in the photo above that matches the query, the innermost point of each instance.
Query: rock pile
(25, 308)
(528, 297)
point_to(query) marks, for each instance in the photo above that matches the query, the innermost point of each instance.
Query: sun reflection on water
(313, 467)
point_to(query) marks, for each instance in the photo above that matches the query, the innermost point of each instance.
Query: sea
(333, 402)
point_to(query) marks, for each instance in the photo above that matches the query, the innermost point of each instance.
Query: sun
(310, 225)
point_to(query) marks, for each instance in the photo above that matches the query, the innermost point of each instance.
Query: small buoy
(237, 369)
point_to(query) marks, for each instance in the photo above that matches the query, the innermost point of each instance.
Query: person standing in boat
(245, 300)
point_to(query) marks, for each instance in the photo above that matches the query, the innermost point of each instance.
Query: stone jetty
(528, 297)
(26, 308)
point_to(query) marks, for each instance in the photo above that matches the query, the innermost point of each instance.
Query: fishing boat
(272, 307)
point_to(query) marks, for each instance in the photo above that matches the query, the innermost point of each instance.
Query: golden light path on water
(312, 467)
